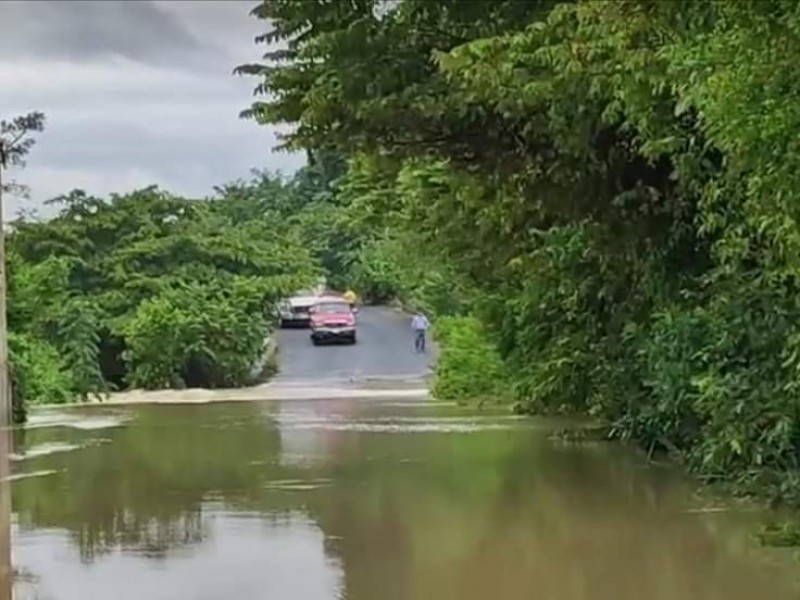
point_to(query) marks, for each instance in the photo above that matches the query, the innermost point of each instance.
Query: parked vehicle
(296, 311)
(332, 320)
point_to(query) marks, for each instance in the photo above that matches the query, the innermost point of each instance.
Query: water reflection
(247, 559)
(359, 500)
(6, 573)
(143, 490)
(303, 444)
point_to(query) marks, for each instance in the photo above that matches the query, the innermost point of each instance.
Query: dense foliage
(150, 290)
(615, 184)
(16, 141)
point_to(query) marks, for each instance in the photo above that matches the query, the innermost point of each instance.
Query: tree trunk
(6, 573)
(5, 387)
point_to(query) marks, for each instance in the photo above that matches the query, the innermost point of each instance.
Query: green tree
(151, 290)
(15, 144)
(615, 183)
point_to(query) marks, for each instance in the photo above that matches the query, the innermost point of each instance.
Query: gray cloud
(81, 30)
(135, 93)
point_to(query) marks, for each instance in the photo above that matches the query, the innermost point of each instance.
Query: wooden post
(6, 572)
(5, 387)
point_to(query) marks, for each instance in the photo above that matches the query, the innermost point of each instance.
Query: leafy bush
(151, 290)
(376, 270)
(619, 195)
(78, 340)
(469, 365)
(39, 374)
(194, 336)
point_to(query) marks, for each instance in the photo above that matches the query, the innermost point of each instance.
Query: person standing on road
(351, 298)
(420, 324)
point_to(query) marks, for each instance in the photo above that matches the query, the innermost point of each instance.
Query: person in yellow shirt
(351, 298)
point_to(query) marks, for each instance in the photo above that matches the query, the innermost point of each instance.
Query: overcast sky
(135, 93)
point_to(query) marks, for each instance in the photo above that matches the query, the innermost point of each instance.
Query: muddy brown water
(361, 500)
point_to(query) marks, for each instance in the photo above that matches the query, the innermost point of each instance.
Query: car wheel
(315, 341)
(353, 340)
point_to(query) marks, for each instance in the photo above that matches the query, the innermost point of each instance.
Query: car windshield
(332, 307)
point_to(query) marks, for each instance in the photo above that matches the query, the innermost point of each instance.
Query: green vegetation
(16, 141)
(610, 189)
(597, 202)
(150, 290)
(470, 365)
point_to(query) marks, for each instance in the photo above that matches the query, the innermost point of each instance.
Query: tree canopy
(151, 290)
(613, 185)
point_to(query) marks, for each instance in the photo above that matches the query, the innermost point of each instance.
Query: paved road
(385, 351)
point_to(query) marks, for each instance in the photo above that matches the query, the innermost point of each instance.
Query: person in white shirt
(420, 324)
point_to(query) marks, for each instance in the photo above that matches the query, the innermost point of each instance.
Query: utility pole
(5, 387)
(15, 143)
(6, 570)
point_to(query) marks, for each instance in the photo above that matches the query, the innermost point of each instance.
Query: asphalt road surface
(385, 351)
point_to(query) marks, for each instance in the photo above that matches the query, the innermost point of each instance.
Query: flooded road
(384, 350)
(363, 499)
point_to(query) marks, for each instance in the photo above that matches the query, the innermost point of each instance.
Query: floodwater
(360, 500)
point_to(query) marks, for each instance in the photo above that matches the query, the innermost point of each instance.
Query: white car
(296, 311)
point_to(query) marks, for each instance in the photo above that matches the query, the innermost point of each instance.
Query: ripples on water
(398, 425)
(42, 473)
(360, 500)
(297, 484)
(77, 420)
(43, 450)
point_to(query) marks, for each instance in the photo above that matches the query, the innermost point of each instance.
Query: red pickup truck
(332, 319)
